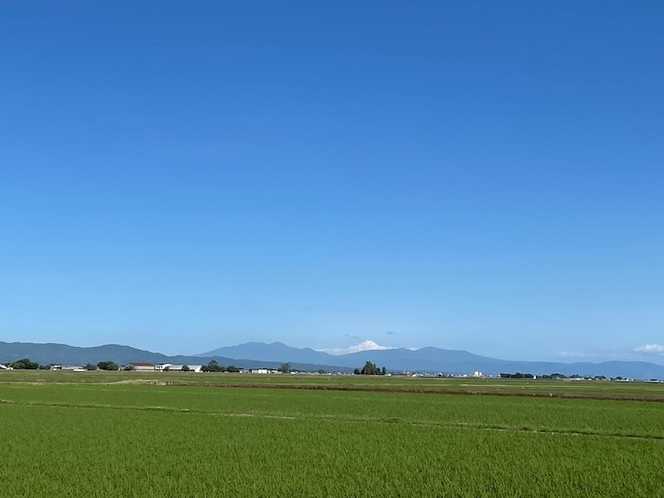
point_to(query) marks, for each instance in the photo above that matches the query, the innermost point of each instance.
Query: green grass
(607, 389)
(111, 436)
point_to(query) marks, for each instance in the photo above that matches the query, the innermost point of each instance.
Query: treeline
(519, 375)
(214, 366)
(27, 364)
(370, 369)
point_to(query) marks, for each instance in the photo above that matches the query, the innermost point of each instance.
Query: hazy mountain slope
(276, 351)
(256, 354)
(72, 355)
(431, 359)
(62, 353)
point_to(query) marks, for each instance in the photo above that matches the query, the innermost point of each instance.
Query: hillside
(257, 354)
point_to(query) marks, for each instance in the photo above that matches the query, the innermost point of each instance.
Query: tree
(24, 364)
(213, 366)
(185, 368)
(232, 368)
(108, 365)
(285, 368)
(371, 369)
(90, 366)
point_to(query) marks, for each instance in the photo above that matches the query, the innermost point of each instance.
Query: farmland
(129, 434)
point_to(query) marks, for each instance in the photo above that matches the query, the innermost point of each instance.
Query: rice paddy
(203, 435)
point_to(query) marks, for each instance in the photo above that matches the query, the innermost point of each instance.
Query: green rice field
(133, 434)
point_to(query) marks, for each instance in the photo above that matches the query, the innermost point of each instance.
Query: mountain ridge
(259, 354)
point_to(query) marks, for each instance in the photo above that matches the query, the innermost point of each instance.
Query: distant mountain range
(258, 354)
(432, 359)
(51, 353)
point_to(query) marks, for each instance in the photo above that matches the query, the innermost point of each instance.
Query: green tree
(185, 368)
(232, 368)
(24, 364)
(285, 368)
(213, 366)
(108, 365)
(90, 366)
(370, 369)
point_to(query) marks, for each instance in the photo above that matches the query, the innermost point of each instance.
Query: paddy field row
(140, 436)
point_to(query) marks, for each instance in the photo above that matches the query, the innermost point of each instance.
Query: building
(169, 367)
(141, 366)
(263, 370)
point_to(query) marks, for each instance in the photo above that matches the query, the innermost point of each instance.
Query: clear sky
(488, 176)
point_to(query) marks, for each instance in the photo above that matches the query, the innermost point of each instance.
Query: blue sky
(489, 176)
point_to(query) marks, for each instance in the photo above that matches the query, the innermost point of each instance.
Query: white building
(141, 366)
(169, 367)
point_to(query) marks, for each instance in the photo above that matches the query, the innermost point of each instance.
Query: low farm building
(263, 370)
(169, 367)
(142, 366)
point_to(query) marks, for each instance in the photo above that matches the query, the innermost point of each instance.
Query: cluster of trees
(285, 368)
(26, 364)
(214, 366)
(370, 369)
(108, 365)
(184, 368)
(519, 375)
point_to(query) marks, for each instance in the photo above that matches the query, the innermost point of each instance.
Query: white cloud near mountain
(363, 346)
(650, 348)
(575, 354)
(647, 352)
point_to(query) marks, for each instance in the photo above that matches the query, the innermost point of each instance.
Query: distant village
(285, 368)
